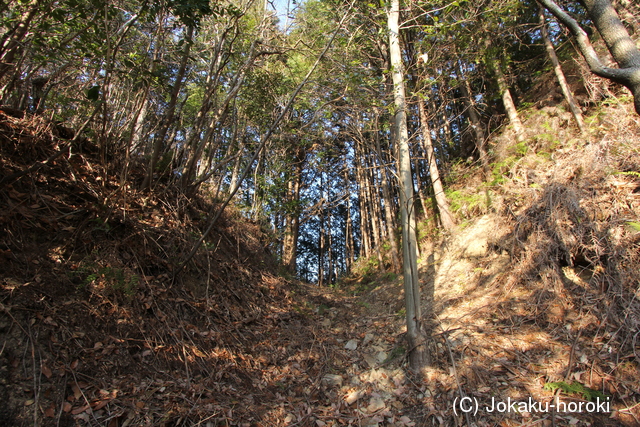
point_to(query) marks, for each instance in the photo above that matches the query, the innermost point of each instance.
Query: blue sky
(281, 7)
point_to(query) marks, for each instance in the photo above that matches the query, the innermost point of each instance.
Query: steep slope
(93, 328)
(540, 284)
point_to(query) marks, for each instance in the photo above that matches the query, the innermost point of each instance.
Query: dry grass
(546, 287)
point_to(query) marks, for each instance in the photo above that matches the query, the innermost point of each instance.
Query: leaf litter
(95, 331)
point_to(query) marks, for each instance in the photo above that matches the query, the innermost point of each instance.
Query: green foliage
(467, 203)
(501, 168)
(634, 225)
(389, 276)
(629, 173)
(576, 388)
(520, 149)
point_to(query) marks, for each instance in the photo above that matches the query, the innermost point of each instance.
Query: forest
(317, 213)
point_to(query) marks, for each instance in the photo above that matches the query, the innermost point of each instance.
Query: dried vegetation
(94, 330)
(544, 288)
(538, 286)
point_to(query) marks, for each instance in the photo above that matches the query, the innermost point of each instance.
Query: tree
(415, 335)
(557, 68)
(615, 35)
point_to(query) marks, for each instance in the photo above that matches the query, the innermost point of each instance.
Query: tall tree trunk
(321, 236)
(11, 41)
(507, 100)
(348, 232)
(441, 135)
(415, 335)
(376, 217)
(474, 119)
(566, 90)
(290, 241)
(388, 201)
(446, 219)
(329, 249)
(420, 189)
(365, 217)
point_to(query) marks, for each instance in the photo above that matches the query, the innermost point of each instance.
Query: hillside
(536, 286)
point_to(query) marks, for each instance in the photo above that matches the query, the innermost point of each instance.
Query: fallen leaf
(80, 410)
(77, 393)
(353, 396)
(100, 404)
(46, 371)
(50, 412)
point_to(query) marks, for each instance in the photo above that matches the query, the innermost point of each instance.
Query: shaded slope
(93, 330)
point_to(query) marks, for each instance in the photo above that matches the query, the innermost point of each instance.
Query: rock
(332, 380)
(367, 339)
(381, 356)
(351, 345)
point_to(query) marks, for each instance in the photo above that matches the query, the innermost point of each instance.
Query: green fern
(576, 388)
(629, 173)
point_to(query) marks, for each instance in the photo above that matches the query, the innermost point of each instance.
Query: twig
(36, 166)
(571, 355)
(453, 366)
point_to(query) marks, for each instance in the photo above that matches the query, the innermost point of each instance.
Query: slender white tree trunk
(566, 90)
(416, 340)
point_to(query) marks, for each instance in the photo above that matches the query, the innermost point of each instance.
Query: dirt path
(495, 342)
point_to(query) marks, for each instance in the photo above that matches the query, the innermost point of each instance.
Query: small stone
(371, 361)
(351, 345)
(367, 339)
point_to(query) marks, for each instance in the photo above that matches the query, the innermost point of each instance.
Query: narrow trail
(494, 342)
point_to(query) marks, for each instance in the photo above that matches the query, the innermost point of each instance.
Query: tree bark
(348, 232)
(11, 42)
(446, 219)
(507, 100)
(474, 118)
(566, 90)
(365, 217)
(616, 37)
(415, 335)
(374, 210)
(290, 242)
(388, 211)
